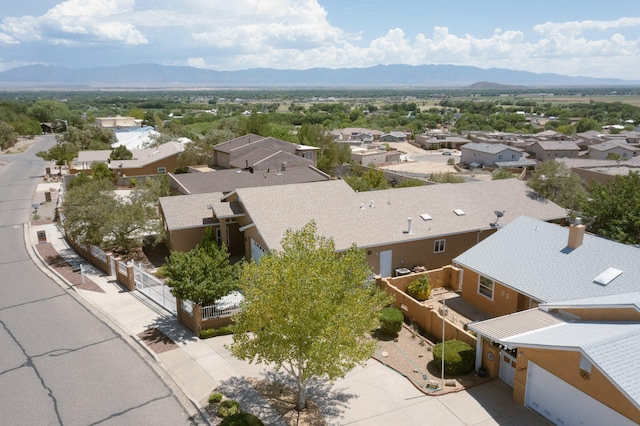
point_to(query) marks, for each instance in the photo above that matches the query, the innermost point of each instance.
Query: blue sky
(577, 38)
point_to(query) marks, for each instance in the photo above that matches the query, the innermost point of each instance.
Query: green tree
(502, 174)
(613, 209)
(47, 110)
(203, 274)
(369, 180)
(555, 181)
(61, 153)
(308, 309)
(121, 153)
(8, 136)
(95, 214)
(331, 154)
(586, 124)
(90, 137)
(100, 170)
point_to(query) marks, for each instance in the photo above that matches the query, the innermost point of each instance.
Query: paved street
(59, 362)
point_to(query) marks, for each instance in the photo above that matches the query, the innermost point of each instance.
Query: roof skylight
(607, 276)
(425, 216)
(459, 212)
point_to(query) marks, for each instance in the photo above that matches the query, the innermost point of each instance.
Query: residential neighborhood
(547, 306)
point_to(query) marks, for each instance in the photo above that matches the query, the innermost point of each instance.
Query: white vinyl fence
(154, 289)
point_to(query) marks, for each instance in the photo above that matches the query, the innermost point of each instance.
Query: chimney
(576, 234)
(284, 166)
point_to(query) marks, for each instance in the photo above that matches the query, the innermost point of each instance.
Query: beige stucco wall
(505, 300)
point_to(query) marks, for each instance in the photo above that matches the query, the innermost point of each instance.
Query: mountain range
(391, 76)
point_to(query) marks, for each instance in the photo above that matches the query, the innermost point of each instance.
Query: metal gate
(154, 289)
(112, 266)
(507, 371)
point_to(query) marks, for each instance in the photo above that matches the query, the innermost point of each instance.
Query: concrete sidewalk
(369, 395)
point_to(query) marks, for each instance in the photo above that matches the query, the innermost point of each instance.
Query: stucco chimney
(576, 234)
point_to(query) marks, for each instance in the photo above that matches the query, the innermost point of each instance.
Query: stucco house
(530, 276)
(394, 137)
(574, 362)
(260, 153)
(149, 161)
(613, 146)
(372, 155)
(399, 228)
(548, 150)
(490, 154)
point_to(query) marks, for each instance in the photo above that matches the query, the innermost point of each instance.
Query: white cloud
(297, 34)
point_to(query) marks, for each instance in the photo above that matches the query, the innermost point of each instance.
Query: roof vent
(459, 212)
(607, 276)
(425, 216)
(408, 231)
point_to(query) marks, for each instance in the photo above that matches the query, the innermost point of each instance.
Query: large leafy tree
(331, 154)
(121, 153)
(613, 209)
(308, 309)
(94, 214)
(60, 153)
(555, 181)
(203, 274)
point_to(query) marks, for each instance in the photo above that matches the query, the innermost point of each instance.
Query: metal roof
(515, 324)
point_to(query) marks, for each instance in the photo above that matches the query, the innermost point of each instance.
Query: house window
(485, 287)
(499, 157)
(162, 170)
(438, 246)
(219, 237)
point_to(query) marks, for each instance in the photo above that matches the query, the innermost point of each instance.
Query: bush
(451, 161)
(242, 419)
(215, 398)
(228, 408)
(459, 357)
(391, 320)
(213, 332)
(419, 289)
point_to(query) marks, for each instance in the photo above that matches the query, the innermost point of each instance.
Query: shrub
(451, 161)
(419, 289)
(213, 332)
(215, 398)
(446, 178)
(242, 419)
(459, 357)
(228, 408)
(391, 320)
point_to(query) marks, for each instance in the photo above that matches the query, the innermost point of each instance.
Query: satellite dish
(499, 214)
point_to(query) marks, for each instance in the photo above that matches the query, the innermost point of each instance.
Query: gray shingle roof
(489, 148)
(345, 215)
(532, 257)
(229, 180)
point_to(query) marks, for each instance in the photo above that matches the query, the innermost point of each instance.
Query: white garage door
(256, 251)
(563, 404)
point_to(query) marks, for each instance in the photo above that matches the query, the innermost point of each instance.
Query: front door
(507, 370)
(385, 263)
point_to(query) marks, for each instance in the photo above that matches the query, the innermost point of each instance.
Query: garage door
(256, 251)
(563, 404)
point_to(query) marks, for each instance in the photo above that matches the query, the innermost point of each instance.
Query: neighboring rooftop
(231, 179)
(381, 217)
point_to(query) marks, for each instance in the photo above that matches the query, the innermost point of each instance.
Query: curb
(140, 347)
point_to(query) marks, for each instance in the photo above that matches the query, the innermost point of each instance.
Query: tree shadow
(169, 326)
(331, 401)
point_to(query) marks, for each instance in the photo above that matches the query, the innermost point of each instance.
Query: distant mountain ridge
(396, 76)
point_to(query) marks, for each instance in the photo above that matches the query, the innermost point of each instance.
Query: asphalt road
(59, 362)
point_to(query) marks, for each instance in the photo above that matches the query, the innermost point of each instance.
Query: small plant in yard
(459, 357)
(391, 320)
(213, 332)
(215, 397)
(242, 419)
(419, 289)
(228, 408)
